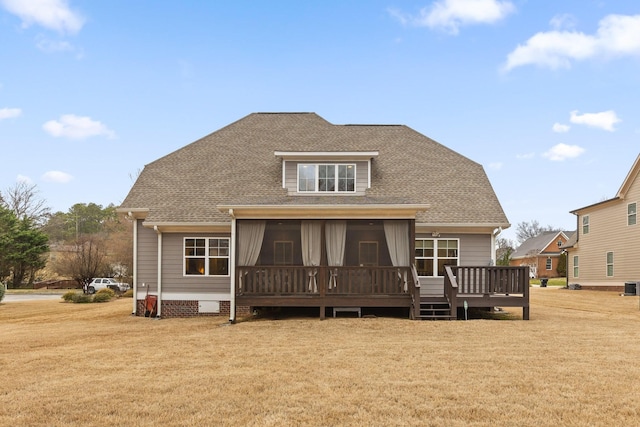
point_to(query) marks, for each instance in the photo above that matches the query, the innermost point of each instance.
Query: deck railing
(324, 280)
(488, 282)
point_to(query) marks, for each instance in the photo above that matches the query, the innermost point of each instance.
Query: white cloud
(52, 14)
(76, 127)
(603, 120)
(9, 113)
(450, 15)
(495, 165)
(560, 128)
(24, 178)
(525, 156)
(617, 35)
(49, 46)
(57, 176)
(561, 152)
(564, 21)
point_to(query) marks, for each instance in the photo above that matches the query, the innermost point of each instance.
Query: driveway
(29, 297)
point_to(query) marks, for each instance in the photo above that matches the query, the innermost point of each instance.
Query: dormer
(319, 173)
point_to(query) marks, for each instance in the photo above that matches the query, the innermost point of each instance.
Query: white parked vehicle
(106, 282)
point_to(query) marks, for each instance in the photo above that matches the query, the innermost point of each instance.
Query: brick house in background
(541, 253)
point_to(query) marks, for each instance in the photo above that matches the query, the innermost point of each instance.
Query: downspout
(493, 245)
(232, 302)
(135, 265)
(159, 300)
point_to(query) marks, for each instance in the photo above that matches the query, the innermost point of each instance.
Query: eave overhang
(399, 211)
(134, 213)
(186, 227)
(326, 155)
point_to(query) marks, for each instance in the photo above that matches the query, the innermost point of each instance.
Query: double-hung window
(631, 214)
(432, 255)
(585, 224)
(549, 264)
(576, 269)
(206, 256)
(326, 178)
(609, 264)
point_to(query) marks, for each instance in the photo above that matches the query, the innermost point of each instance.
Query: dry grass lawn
(575, 363)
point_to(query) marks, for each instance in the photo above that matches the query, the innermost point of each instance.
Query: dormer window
(326, 178)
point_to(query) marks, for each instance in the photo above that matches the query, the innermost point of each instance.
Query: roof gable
(236, 166)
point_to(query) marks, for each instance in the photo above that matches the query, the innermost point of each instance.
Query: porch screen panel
(311, 242)
(336, 236)
(397, 235)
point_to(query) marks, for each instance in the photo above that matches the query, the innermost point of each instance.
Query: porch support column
(233, 260)
(135, 266)
(159, 300)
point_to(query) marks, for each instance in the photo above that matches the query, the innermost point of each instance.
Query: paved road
(29, 297)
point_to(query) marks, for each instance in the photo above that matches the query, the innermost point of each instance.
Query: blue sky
(543, 94)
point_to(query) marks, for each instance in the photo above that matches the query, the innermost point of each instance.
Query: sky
(543, 94)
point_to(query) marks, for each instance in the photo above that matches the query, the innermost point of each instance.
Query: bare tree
(86, 261)
(23, 200)
(526, 230)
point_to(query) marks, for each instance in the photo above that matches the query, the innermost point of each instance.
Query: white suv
(106, 282)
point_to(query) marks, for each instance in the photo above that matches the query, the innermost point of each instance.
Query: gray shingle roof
(236, 166)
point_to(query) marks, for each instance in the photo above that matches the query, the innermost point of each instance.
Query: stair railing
(451, 290)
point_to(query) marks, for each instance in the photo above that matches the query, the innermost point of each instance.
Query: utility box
(631, 288)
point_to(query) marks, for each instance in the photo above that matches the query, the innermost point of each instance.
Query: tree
(86, 261)
(504, 249)
(22, 246)
(526, 230)
(23, 200)
(562, 264)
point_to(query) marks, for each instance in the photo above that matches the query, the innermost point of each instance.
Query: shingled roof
(236, 165)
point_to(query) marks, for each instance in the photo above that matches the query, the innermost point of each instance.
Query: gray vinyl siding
(147, 256)
(475, 250)
(362, 176)
(173, 279)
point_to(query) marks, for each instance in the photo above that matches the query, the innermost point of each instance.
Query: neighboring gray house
(287, 209)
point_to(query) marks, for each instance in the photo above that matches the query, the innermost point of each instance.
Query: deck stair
(435, 308)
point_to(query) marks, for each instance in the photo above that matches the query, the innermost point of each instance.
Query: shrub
(1, 291)
(81, 298)
(128, 294)
(68, 296)
(104, 295)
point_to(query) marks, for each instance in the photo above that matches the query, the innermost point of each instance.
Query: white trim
(135, 266)
(189, 227)
(435, 257)
(284, 177)
(319, 155)
(326, 211)
(369, 173)
(232, 263)
(206, 256)
(336, 179)
(159, 308)
(196, 296)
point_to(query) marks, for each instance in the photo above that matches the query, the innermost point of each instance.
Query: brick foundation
(177, 308)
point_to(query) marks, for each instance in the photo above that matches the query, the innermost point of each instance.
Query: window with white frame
(326, 178)
(575, 266)
(609, 264)
(631, 214)
(549, 264)
(432, 255)
(206, 256)
(585, 224)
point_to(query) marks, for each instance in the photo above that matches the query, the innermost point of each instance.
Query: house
(287, 209)
(605, 251)
(541, 253)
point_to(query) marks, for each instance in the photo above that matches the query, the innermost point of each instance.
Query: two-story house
(604, 253)
(287, 209)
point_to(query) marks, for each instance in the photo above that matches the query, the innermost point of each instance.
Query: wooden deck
(323, 286)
